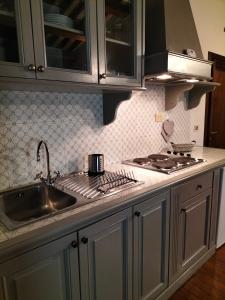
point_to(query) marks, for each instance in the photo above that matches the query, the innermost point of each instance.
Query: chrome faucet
(48, 180)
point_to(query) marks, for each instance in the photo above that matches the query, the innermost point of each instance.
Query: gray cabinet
(48, 272)
(54, 270)
(106, 259)
(151, 247)
(120, 42)
(139, 253)
(190, 224)
(16, 40)
(49, 40)
(65, 40)
(83, 41)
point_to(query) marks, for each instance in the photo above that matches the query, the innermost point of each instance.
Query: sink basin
(25, 205)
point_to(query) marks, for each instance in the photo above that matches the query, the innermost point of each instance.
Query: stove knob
(174, 152)
(168, 152)
(189, 155)
(181, 154)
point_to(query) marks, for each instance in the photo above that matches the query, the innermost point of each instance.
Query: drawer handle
(32, 68)
(40, 68)
(74, 244)
(84, 240)
(102, 76)
(199, 187)
(137, 213)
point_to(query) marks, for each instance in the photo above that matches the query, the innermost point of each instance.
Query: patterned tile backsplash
(71, 123)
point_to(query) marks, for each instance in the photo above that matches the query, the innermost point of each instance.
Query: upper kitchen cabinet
(84, 41)
(16, 41)
(65, 40)
(120, 42)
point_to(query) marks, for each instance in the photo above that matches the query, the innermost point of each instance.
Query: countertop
(79, 217)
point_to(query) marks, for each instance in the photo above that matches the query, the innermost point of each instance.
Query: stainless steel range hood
(172, 49)
(173, 67)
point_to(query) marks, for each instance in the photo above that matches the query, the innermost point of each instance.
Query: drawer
(193, 187)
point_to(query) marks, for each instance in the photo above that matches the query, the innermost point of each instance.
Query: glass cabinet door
(65, 39)
(16, 41)
(120, 46)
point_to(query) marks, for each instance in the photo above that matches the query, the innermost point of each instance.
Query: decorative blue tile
(71, 123)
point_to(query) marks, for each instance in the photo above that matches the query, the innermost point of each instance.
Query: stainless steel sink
(28, 204)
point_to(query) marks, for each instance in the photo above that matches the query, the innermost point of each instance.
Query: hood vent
(173, 67)
(173, 52)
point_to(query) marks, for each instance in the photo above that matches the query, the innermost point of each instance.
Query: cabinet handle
(102, 76)
(199, 187)
(40, 68)
(74, 244)
(183, 210)
(137, 213)
(32, 68)
(84, 240)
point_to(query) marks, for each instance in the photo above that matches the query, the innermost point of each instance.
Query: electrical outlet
(160, 116)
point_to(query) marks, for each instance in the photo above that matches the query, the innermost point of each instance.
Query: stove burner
(164, 164)
(142, 160)
(184, 160)
(158, 157)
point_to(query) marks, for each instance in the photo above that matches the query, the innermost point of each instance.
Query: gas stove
(165, 163)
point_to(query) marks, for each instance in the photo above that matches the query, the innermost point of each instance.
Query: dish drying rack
(91, 187)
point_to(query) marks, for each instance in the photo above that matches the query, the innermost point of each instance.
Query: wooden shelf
(125, 2)
(7, 18)
(115, 12)
(6, 13)
(65, 31)
(118, 42)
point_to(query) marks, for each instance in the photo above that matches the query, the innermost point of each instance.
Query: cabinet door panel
(42, 274)
(65, 40)
(151, 243)
(195, 230)
(105, 260)
(189, 231)
(120, 42)
(16, 40)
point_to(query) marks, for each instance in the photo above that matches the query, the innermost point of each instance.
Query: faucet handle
(38, 176)
(58, 174)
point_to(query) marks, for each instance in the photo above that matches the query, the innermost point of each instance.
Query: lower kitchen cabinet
(151, 247)
(139, 253)
(46, 273)
(106, 258)
(190, 226)
(52, 271)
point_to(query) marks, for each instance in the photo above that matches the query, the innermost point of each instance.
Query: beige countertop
(153, 181)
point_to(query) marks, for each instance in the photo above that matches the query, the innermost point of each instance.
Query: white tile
(71, 123)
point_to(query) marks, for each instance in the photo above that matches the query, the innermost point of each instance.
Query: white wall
(209, 18)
